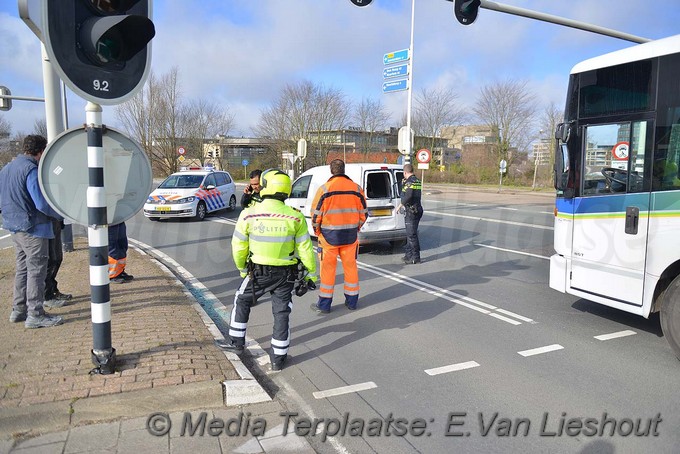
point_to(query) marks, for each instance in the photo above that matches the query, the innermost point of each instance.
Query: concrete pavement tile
(5, 446)
(289, 443)
(44, 440)
(42, 449)
(97, 436)
(143, 442)
(200, 444)
(181, 421)
(252, 446)
(134, 424)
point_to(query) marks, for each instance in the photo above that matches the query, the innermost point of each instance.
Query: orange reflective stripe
(116, 267)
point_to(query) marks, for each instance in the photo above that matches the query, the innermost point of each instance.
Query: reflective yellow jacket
(272, 233)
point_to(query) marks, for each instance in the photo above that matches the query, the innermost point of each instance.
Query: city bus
(617, 212)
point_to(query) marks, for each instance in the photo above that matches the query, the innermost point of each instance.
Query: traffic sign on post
(404, 140)
(395, 71)
(181, 151)
(395, 85)
(423, 156)
(396, 56)
(302, 149)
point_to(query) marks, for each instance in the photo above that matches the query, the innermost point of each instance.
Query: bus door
(610, 224)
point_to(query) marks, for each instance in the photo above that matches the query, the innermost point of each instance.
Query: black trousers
(412, 248)
(55, 257)
(278, 281)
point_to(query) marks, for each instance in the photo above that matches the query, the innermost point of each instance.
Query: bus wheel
(670, 316)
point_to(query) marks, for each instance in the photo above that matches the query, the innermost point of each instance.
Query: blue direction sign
(395, 85)
(396, 56)
(395, 71)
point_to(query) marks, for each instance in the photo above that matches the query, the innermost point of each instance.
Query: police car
(191, 193)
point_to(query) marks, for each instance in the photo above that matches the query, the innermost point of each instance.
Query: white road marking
(512, 251)
(465, 301)
(222, 221)
(451, 368)
(5, 236)
(499, 221)
(604, 337)
(539, 350)
(344, 390)
(512, 314)
(506, 319)
(508, 208)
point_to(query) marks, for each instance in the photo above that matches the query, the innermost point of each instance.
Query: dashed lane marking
(604, 337)
(540, 350)
(452, 368)
(344, 390)
(5, 236)
(498, 221)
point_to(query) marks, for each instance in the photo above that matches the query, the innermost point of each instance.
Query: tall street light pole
(407, 158)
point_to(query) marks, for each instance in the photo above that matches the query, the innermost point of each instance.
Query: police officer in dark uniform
(411, 190)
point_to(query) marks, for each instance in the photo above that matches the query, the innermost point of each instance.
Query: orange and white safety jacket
(339, 210)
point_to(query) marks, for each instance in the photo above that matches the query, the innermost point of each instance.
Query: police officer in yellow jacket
(268, 239)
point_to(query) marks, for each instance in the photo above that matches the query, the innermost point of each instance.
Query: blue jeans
(31, 269)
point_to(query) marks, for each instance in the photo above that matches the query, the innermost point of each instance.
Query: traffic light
(466, 10)
(100, 48)
(5, 103)
(361, 2)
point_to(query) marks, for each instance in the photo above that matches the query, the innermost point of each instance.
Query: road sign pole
(103, 355)
(407, 158)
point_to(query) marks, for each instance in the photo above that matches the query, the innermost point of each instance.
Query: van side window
(300, 188)
(399, 175)
(377, 185)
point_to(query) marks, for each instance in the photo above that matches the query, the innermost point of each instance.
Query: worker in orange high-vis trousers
(118, 246)
(338, 212)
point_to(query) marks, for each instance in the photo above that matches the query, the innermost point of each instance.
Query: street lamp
(540, 138)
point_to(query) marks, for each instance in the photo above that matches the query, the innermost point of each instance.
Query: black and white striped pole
(103, 355)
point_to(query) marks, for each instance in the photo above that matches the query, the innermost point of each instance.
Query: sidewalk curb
(235, 392)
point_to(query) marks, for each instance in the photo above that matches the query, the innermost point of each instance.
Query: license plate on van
(381, 212)
(162, 208)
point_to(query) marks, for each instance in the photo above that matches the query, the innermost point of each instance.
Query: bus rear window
(617, 89)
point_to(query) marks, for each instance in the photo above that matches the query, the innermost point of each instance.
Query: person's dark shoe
(227, 346)
(350, 307)
(54, 303)
(62, 296)
(17, 316)
(43, 321)
(318, 310)
(122, 278)
(412, 262)
(277, 367)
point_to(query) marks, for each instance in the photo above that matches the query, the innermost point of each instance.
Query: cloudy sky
(240, 53)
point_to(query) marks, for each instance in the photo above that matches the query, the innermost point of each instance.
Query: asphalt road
(469, 351)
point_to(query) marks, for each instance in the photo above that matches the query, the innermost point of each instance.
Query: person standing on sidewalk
(251, 194)
(411, 193)
(26, 214)
(338, 212)
(118, 246)
(53, 297)
(268, 240)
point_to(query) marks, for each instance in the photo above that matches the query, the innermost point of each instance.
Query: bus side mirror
(562, 169)
(563, 131)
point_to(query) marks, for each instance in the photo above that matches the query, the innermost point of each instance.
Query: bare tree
(509, 108)
(370, 115)
(6, 154)
(40, 127)
(552, 116)
(160, 119)
(305, 111)
(433, 109)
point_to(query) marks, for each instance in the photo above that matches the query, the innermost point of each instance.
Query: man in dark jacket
(26, 214)
(251, 194)
(411, 192)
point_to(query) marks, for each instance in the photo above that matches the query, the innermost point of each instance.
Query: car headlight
(186, 199)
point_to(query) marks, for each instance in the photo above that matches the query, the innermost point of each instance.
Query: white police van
(191, 193)
(382, 187)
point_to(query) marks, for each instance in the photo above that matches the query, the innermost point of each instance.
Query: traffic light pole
(103, 355)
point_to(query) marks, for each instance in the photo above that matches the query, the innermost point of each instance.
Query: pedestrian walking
(118, 246)
(269, 242)
(53, 297)
(411, 193)
(26, 214)
(251, 194)
(338, 212)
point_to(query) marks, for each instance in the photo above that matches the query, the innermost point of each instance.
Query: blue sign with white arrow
(395, 71)
(395, 85)
(396, 56)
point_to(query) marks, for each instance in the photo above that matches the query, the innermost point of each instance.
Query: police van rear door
(382, 199)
